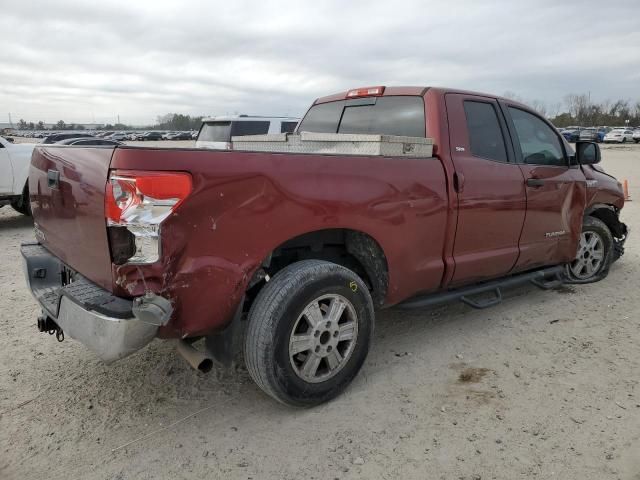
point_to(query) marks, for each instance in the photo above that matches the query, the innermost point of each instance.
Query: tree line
(170, 121)
(578, 109)
(575, 109)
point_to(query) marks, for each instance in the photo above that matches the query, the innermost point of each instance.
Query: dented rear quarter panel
(245, 204)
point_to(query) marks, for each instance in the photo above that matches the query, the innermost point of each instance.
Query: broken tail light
(139, 202)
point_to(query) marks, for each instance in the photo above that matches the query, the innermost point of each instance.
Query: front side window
(539, 144)
(239, 129)
(485, 135)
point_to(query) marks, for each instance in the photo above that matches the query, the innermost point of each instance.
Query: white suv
(216, 132)
(636, 135)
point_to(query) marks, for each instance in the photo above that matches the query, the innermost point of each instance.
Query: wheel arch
(353, 249)
(608, 214)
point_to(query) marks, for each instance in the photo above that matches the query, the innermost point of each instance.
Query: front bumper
(106, 324)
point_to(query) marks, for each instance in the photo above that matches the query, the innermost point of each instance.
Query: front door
(556, 191)
(490, 189)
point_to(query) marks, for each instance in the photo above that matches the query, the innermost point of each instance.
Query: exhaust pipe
(198, 360)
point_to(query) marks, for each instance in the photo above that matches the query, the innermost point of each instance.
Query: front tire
(309, 332)
(595, 253)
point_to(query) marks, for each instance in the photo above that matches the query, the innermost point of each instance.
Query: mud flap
(224, 346)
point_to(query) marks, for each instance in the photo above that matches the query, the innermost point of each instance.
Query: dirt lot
(545, 385)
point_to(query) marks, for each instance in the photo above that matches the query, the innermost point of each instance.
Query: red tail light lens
(145, 198)
(365, 92)
(135, 204)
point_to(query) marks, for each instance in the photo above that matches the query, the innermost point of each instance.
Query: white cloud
(80, 61)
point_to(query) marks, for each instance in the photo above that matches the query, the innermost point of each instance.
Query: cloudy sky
(91, 61)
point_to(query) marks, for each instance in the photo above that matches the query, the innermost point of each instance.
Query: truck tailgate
(67, 186)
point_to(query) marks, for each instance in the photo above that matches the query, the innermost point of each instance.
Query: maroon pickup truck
(136, 243)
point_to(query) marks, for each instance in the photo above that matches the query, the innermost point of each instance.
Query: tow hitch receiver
(46, 324)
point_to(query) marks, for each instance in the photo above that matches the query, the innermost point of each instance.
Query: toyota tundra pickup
(288, 254)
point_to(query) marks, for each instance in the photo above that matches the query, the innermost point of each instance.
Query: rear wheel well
(352, 249)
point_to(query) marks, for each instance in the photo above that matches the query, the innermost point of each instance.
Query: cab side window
(539, 144)
(485, 134)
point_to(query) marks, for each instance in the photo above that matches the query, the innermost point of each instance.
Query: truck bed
(238, 197)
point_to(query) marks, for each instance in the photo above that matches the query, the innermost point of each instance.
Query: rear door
(556, 191)
(490, 187)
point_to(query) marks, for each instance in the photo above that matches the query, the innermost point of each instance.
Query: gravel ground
(544, 385)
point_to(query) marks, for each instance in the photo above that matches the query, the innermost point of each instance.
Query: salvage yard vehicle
(14, 173)
(216, 132)
(461, 195)
(619, 135)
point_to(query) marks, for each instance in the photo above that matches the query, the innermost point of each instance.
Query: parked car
(14, 171)
(187, 243)
(62, 136)
(619, 135)
(216, 132)
(178, 136)
(571, 135)
(636, 135)
(153, 135)
(118, 136)
(593, 134)
(89, 141)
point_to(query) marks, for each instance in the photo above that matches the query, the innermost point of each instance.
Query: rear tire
(595, 253)
(309, 332)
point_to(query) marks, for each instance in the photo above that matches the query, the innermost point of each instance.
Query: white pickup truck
(14, 172)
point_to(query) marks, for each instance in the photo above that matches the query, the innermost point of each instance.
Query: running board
(545, 279)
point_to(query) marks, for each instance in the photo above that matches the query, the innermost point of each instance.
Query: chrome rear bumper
(104, 323)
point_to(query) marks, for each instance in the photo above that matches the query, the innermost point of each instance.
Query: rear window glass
(215, 132)
(223, 131)
(288, 127)
(397, 115)
(485, 135)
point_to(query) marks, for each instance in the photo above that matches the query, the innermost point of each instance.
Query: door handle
(458, 182)
(535, 182)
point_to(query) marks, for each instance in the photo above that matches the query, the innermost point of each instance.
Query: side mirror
(587, 153)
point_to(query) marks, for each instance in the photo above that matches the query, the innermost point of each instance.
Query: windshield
(393, 115)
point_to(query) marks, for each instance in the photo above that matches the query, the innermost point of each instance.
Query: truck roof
(244, 118)
(406, 90)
